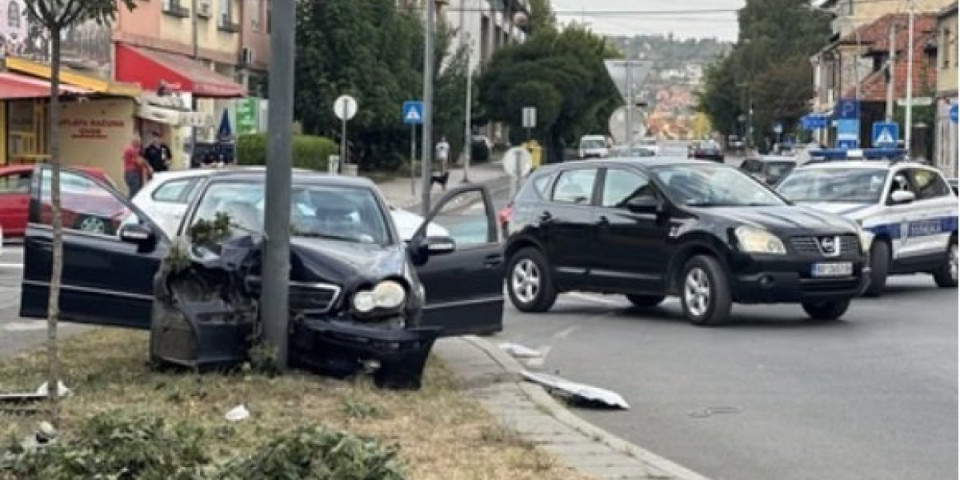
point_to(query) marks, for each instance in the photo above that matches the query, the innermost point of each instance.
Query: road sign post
(885, 134)
(345, 108)
(413, 116)
(517, 162)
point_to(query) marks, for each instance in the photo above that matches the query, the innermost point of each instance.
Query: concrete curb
(511, 371)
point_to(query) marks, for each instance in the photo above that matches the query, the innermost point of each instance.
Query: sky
(633, 17)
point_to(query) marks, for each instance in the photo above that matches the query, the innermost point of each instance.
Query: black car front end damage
(206, 315)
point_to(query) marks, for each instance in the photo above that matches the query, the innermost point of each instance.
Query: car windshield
(593, 143)
(699, 185)
(779, 169)
(350, 214)
(853, 185)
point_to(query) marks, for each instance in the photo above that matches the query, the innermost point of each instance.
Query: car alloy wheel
(946, 275)
(697, 292)
(529, 282)
(92, 225)
(525, 280)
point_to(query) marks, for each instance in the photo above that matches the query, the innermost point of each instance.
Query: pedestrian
(134, 166)
(443, 153)
(157, 154)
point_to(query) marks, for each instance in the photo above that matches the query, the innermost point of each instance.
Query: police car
(908, 207)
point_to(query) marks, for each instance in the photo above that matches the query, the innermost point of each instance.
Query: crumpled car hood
(344, 263)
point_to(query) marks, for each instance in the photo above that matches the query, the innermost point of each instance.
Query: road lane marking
(24, 326)
(12, 266)
(565, 332)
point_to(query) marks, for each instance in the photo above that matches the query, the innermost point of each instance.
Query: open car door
(111, 252)
(464, 288)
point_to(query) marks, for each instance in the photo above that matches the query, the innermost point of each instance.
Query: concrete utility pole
(274, 311)
(891, 70)
(427, 139)
(909, 117)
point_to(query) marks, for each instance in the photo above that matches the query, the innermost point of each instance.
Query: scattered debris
(578, 392)
(237, 414)
(62, 389)
(519, 351)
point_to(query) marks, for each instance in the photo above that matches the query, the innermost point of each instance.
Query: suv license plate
(843, 269)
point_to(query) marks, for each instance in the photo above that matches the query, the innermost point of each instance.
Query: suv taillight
(505, 214)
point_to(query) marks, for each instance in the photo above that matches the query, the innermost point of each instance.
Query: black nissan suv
(703, 231)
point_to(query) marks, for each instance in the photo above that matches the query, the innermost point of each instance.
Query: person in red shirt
(134, 166)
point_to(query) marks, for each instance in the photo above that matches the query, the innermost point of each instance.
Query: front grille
(312, 297)
(809, 246)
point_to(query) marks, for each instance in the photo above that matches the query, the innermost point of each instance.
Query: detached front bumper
(790, 281)
(341, 349)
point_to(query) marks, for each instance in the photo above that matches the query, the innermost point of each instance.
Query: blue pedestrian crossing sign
(885, 134)
(413, 112)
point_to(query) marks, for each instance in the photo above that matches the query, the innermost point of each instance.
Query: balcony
(226, 24)
(174, 9)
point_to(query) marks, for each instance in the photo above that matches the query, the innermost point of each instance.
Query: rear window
(536, 188)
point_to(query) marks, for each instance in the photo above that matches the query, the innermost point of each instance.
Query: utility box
(536, 152)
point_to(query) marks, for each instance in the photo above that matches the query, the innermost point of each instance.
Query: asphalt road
(772, 395)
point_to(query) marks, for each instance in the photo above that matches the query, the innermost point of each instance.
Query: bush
(309, 151)
(312, 453)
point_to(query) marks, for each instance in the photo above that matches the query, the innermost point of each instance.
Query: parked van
(593, 146)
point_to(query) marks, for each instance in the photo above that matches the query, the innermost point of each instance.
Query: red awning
(149, 68)
(13, 87)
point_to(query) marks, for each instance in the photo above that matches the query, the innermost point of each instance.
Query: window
(620, 186)
(575, 186)
(255, 13)
(464, 220)
(13, 16)
(751, 166)
(945, 47)
(174, 191)
(18, 183)
(928, 184)
(84, 205)
(842, 185)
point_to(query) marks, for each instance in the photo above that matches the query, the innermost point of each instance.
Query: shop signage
(81, 128)
(248, 111)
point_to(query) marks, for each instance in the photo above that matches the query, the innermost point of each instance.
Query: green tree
(560, 73)
(768, 67)
(542, 19)
(55, 16)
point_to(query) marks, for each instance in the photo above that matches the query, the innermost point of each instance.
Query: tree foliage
(563, 76)
(769, 67)
(542, 19)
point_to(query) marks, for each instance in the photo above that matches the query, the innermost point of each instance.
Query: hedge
(309, 151)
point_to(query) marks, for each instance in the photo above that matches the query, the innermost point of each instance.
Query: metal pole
(343, 141)
(891, 70)
(413, 160)
(468, 131)
(428, 65)
(629, 135)
(909, 117)
(276, 265)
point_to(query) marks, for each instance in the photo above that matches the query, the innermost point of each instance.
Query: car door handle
(546, 217)
(493, 261)
(604, 221)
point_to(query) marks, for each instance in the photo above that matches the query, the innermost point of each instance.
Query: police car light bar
(859, 154)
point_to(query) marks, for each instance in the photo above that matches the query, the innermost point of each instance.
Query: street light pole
(276, 263)
(909, 116)
(426, 163)
(467, 137)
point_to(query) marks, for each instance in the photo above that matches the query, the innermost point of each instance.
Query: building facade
(850, 15)
(945, 136)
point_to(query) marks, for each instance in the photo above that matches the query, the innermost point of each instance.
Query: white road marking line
(565, 332)
(24, 326)
(12, 266)
(592, 298)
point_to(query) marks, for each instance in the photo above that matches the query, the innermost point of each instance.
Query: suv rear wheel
(529, 282)
(705, 291)
(946, 275)
(826, 310)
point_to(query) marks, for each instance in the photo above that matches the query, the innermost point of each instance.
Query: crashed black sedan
(360, 296)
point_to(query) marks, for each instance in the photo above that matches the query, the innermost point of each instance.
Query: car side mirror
(902, 196)
(422, 248)
(644, 204)
(138, 234)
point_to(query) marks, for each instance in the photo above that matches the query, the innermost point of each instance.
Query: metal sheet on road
(771, 395)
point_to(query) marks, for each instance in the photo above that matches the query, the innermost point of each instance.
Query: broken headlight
(386, 295)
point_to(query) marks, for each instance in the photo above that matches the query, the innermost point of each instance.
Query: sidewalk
(494, 379)
(398, 193)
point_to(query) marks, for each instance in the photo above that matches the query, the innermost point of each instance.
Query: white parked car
(593, 146)
(165, 199)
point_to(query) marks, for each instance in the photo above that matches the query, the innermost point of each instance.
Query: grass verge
(441, 433)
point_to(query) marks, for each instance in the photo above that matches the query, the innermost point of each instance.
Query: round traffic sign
(517, 162)
(345, 107)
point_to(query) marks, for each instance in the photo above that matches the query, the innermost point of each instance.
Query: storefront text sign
(92, 128)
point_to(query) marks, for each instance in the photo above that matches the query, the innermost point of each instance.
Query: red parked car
(83, 207)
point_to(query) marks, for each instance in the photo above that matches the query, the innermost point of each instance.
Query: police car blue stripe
(919, 228)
